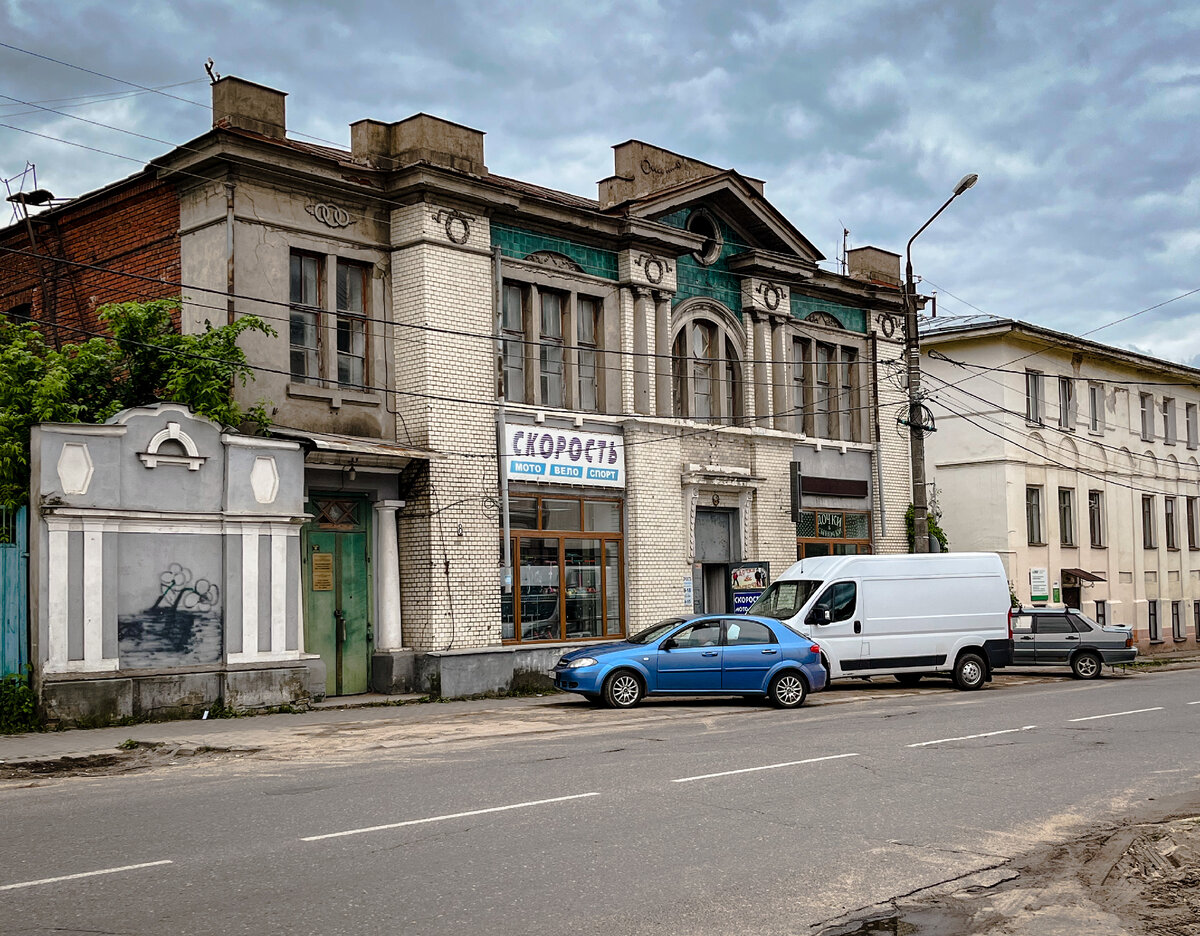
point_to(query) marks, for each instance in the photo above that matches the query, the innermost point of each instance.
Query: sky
(1082, 119)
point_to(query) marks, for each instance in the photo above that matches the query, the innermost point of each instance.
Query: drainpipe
(501, 434)
(229, 280)
(874, 349)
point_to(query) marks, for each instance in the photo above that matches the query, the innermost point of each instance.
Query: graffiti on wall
(182, 625)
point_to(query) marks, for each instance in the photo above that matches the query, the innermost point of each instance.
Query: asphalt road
(680, 817)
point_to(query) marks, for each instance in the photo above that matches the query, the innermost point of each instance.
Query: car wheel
(1087, 665)
(970, 672)
(788, 690)
(908, 679)
(623, 689)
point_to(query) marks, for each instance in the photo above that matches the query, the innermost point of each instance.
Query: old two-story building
(1077, 462)
(655, 389)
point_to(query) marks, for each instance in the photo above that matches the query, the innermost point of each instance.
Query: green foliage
(931, 521)
(17, 709)
(146, 361)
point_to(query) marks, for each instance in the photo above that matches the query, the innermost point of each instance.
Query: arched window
(707, 373)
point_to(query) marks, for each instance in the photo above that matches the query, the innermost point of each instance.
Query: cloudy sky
(1082, 119)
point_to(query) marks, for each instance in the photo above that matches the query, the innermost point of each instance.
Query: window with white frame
(826, 389)
(1152, 620)
(1066, 516)
(1033, 515)
(1169, 523)
(587, 337)
(1095, 408)
(1101, 613)
(1096, 517)
(1170, 436)
(1066, 403)
(550, 350)
(1193, 522)
(1147, 406)
(305, 317)
(512, 354)
(1149, 527)
(800, 389)
(1177, 621)
(353, 280)
(1033, 396)
(707, 374)
(1193, 430)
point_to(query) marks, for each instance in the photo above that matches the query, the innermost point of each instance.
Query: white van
(906, 616)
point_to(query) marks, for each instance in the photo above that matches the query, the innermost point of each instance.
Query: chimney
(641, 169)
(244, 105)
(873, 265)
(418, 139)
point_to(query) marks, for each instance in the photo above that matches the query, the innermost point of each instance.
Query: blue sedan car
(705, 655)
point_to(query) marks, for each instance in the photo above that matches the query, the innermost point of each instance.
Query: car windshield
(652, 633)
(782, 600)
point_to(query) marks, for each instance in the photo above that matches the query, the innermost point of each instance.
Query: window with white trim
(1066, 403)
(1033, 516)
(1152, 619)
(305, 317)
(1095, 408)
(1168, 413)
(1033, 396)
(353, 280)
(1169, 523)
(826, 388)
(707, 373)
(1147, 407)
(1096, 517)
(1149, 527)
(1066, 516)
(1193, 430)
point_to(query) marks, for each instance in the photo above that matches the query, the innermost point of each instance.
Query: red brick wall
(131, 228)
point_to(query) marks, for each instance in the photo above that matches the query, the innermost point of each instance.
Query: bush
(18, 711)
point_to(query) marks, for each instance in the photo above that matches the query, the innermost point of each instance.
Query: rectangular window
(352, 324)
(1147, 404)
(1168, 410)
(512, 328)
(1169, 523)
(1193, 431)
(1033, 396)
(586, 330)
(1193, 522)
(1066, 403)
(1149, 530)
(1066, 516)
(1196, 619)
(1033, 515)
(800, 361)
(846, 409)
(823, 397)
(304, 319)
(551, 350)
(1152, 617)
(1095, 408)
(1101, 613)
(1096, 517)
(1177, 621)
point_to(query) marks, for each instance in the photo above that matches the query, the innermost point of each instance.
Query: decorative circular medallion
(457, 229)
(887, 324)
(333, 216)
(772, 296)
(654, 270)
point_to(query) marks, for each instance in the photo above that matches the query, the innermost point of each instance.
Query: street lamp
(912, 347)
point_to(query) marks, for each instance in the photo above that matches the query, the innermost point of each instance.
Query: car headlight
(581, 662)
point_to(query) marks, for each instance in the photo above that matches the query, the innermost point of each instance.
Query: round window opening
(702, 223)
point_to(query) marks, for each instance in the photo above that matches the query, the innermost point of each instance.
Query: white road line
(972, 737)
(83, 874)
(795, 763)
(473, 812)
(1157, 708)
(1194, 703)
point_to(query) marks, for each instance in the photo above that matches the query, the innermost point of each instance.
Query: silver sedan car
(1068, 637)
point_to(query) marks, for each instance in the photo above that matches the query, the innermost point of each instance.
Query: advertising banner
(1039, 585)
(748, 580)
(564, 456)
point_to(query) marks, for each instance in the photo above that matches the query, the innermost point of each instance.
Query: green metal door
(337, 613)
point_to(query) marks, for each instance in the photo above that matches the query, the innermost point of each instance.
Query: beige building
(669, 380)
(1077, 462)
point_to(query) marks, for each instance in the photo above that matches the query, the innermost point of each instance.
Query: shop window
(568, 582)
(304, 317)
(833, 533)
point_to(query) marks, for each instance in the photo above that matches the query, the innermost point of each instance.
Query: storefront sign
(1039, 585)
(565, 456)
(748, 580)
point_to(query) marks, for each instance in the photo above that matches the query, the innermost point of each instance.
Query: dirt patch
(140, 755)
(1139, 877)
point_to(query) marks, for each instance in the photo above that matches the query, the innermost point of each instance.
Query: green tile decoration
(519, 244)
(852, 319)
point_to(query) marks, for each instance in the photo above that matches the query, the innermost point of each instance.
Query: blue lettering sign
(526, 467)
(565, 471)
(602, 474)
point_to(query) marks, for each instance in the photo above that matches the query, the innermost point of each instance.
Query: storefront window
(833, 533)
(566, 586)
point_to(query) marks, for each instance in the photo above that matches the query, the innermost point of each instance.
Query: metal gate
(14, 600)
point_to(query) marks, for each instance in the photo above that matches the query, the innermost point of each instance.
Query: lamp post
(912, 347)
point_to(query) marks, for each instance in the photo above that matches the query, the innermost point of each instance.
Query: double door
(337, 591)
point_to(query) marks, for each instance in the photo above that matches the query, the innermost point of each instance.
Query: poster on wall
(748, 580)
(1039, 585)
(564, 456)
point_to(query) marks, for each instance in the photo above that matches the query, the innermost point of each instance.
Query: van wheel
(788, 690)
(970, 671)
(1087, 665)
(908, 679)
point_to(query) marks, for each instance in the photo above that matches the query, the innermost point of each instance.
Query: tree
(935, 529)
(145, 361)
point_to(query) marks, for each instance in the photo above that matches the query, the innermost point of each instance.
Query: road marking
(972, 737)
(1194, 703)
(795, 763)
(473, 812)
(1157, 708)
(84, 874)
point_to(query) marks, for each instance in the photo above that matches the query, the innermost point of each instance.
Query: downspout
(874, 348)
(229, 278)
(501, 435)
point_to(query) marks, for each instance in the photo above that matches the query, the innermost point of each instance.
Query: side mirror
(818, 616)
(668, 644)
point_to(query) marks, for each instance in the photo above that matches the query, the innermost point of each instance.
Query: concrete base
(68, 700)
(452, 674)
(393, 671)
